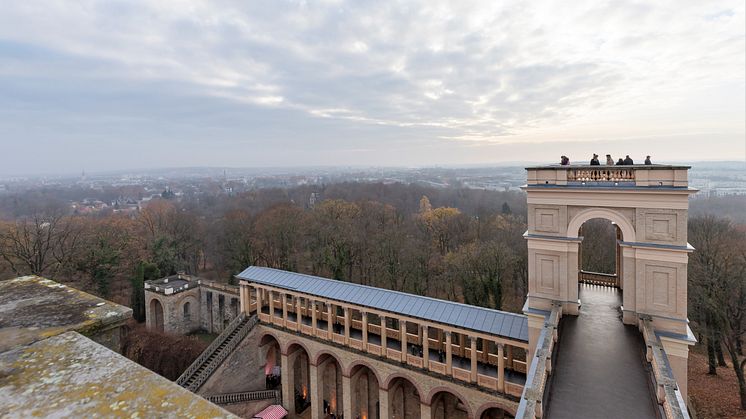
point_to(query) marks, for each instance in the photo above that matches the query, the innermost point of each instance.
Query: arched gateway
(649, 206)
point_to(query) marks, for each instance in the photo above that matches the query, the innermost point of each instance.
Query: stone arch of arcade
(445, 403)
(344, 382)
(649, 207)
(156, 310)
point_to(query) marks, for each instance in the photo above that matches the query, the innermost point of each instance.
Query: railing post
(365, 330)
(449, 349)
(347, 326)
(403, 333)
(284, 302)
(383, 335)
(473, 343)
(425, 348)
(329, 321)
(500, 368)
(313, 316)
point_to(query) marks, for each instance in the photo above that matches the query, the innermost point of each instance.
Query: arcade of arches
(331, 381)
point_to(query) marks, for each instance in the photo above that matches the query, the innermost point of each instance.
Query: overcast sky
(101, 85)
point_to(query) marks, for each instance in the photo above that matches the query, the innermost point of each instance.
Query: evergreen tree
(145, 271)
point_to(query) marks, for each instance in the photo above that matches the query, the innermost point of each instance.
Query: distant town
(123, 192)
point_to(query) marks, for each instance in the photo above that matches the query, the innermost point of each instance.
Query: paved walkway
(599, 372)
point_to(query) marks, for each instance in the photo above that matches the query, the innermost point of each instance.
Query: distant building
(184, 303)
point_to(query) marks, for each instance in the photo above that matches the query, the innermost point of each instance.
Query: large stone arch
(489, 405)
(441, 389)
(317, 358)
(650, 207)
(157, 314)
(359, 362)
(625, 225)
(291, 342)
(387, 384)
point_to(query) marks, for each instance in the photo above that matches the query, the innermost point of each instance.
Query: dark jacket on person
(628, 161)
(595, 162)
(648, 162)
(620, 162)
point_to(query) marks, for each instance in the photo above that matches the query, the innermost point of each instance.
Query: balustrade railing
(246, 396)
(533, 396)
(412, 359)
(602, 174)
(666, 390)
(597, 278)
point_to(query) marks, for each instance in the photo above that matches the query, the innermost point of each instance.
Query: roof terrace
(656, 175)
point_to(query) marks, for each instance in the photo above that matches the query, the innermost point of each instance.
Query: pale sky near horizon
(108, 85)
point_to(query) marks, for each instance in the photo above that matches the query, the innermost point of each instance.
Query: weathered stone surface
(33, 308)
(71, 376)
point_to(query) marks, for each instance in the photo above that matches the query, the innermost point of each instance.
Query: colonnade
(330, 383)
(464, 355)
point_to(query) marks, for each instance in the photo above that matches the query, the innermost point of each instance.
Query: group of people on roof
(627, 161)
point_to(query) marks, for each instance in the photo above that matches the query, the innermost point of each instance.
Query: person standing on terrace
(565, 161)
(594, 160)
(609, 160)
(647, 161)
(628, 161)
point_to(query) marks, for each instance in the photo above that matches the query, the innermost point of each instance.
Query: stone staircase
(202, 367)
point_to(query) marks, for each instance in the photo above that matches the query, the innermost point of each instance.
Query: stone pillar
(316, 384)
(242, 298)
(425, 348)
(313, 316)
(347, 326)
(346, 397)
(383, 403)
(500, 368)
(473, 342)
(449, 360)
(425, 411)
(383, 335)
(403, 337)
(288, 395)
(284, 302)
(365, 331)
(329, 320)
(271, 306)
(298, 312)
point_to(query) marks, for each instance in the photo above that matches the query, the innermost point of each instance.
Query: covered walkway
(600, 370)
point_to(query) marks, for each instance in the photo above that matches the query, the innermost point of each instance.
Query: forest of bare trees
(458, 244)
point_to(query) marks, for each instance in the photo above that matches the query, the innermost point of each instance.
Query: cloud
(441, 72)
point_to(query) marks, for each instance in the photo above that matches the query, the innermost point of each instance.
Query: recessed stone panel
(547, 270)
(547, 220)
(661, 283)
(660, 227)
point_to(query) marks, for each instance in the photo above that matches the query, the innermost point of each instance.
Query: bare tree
(38, 245)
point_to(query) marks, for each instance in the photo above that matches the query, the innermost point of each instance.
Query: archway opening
(599, 253)
(404, 399)
(270, 348)
(300, 373)
(331, 385)
(187, 311)
(495, 413)
(446, 405)
(365, 403)
(156, 310)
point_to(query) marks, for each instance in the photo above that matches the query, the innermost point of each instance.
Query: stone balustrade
(666, 391)
(533, 394)
(584, 175)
